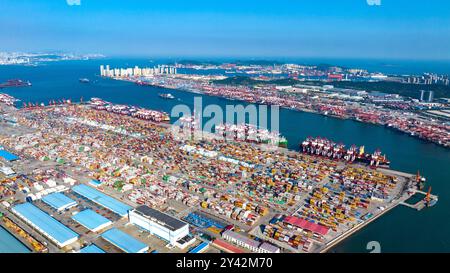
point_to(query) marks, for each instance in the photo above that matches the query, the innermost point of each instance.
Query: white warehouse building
(160, 224)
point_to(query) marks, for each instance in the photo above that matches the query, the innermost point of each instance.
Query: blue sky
(397, 29)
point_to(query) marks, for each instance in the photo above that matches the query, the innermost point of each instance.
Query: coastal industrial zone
(98, 177)
(312, 89)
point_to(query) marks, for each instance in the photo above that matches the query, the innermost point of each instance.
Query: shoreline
(290, 108)
(336, 241)
(401, 197)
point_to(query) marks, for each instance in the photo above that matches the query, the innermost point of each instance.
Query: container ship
(15, 83)
(326, 148)
(250, 133)
(239, 132)
(189, 122)
(141, 113)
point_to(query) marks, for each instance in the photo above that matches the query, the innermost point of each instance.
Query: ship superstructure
(250, 133)
(326, 148)
(142, 113)
(238, 132)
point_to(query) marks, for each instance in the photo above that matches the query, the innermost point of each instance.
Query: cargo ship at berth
(239, 132)
(15, 83)
(326, 148)
(126, 110)
(250, 133)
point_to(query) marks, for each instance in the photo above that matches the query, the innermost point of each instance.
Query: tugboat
(166, 96)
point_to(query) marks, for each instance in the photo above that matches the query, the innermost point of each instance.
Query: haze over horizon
(283, 29)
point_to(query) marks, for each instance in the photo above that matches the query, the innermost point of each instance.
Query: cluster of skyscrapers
(429, 78)
(136, 71)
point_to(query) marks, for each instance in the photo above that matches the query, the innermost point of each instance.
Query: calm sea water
(9, 244)
(400, 230)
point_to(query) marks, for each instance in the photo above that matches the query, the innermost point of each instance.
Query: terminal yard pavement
(44, 138)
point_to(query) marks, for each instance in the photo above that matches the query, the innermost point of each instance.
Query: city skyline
(400, 30)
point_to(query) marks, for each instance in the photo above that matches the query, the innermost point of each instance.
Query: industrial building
(241, 240)
(124, 241)
(245, 242)
(200, 248)
(268, 248)
(303, 224)
(91, 249)
(95, 183)
(7, 155)
(91, 220)
(102, 199)
(160, 224)
(59, 201)
(224, 246)
(45, 224)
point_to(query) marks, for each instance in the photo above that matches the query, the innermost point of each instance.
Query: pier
(422, 203)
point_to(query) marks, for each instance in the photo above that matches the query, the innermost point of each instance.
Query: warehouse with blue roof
(8, 156)
(200, 248)
(91, 220)
(45, 224)
(95, 182)
(91, 249)
(124, 242)
(102, 199)
(59, 201)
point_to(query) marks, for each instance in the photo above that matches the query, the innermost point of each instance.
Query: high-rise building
(136, 71)
(422, 95)
(431, 96)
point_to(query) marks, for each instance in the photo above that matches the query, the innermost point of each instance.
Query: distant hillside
(194, 62)
(243, 80)
(257, 62)
(403, 89)
(237, 62)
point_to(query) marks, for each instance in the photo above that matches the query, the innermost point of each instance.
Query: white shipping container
(38, 186)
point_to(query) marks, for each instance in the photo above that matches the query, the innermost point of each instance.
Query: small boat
(432, 202)
(84, 80)
(166, 96)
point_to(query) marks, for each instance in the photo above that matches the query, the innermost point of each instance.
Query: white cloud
(374, 2)
(73, 2)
